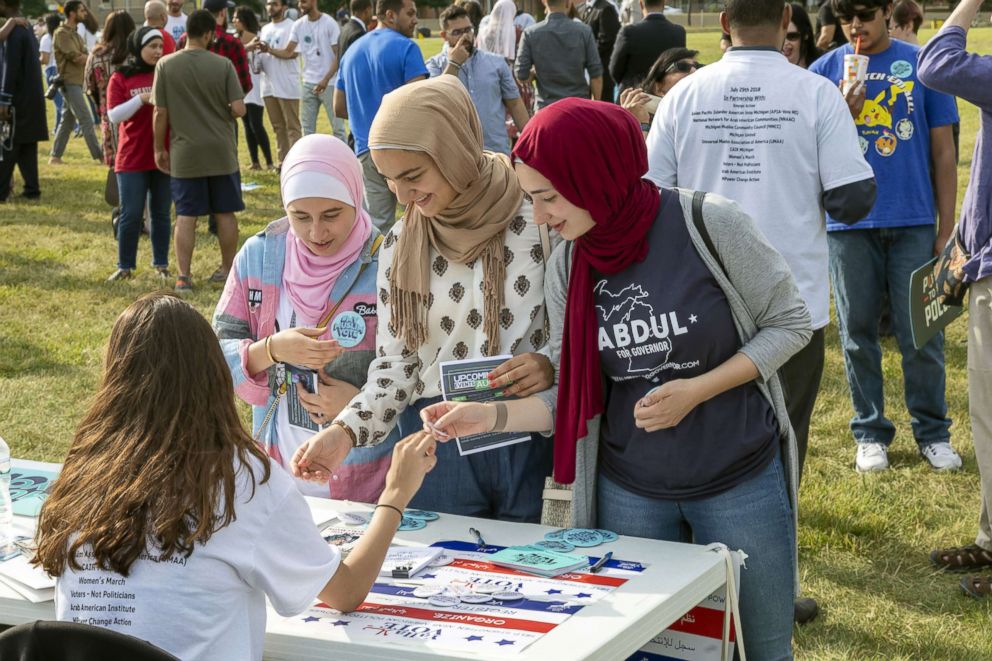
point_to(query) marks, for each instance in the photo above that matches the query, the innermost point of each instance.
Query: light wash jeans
(76, 109)
(310, 105)
(755, 517)
(863, 265)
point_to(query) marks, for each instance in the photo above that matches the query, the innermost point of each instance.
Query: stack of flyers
(539, 561)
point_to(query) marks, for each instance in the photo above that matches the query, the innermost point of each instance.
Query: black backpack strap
(698, 197)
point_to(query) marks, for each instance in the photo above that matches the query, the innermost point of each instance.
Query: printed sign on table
(392, 613)
(697, 635)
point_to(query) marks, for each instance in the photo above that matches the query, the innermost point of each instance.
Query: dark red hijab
(593, 153)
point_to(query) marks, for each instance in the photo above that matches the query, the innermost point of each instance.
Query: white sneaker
(871, 457)
(942, 456)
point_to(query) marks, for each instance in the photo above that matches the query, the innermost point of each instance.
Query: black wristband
(392, 507)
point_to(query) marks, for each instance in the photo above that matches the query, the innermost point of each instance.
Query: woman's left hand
(331, 397)
(665, 407)
(523, 375)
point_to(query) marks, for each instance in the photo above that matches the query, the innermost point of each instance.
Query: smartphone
(652, 105)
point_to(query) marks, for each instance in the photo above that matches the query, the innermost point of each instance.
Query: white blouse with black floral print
(398, 377)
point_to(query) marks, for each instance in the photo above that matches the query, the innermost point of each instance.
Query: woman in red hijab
(670, 420)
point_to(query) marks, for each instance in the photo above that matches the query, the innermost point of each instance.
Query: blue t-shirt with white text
(374, 66)
(894, 133)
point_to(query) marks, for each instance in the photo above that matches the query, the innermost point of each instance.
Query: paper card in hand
(299, 416)
(468, 381)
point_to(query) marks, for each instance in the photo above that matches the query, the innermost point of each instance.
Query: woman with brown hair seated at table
(167, 504)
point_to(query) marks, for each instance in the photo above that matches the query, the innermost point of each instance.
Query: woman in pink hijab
(297, 319)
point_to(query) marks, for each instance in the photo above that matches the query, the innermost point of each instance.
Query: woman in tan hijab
(460, 277)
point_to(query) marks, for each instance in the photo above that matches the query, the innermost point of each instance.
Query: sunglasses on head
(865, 16)
(793, 36)
(683, 66)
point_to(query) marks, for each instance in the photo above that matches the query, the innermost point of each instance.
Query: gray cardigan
(769, 314)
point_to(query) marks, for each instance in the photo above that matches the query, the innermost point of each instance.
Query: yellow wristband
(268, 352)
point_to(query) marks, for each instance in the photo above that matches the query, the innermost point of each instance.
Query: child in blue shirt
(905, 132)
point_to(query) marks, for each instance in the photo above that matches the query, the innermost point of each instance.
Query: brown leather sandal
(978, 587)
(964, 558)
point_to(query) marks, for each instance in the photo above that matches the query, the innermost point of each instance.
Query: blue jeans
(310, 105)
(755, 517)
(50, 72)
(135, 188)
(863, 265)
(506, 483)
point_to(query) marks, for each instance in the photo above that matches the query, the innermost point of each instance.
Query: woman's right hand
(300, 347)
(146, 97)
(413, 458)
(635, 101)
(446, 420)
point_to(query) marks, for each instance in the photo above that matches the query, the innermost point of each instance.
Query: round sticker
(583, 537)
(422, 514)
(475, 598)
(411, 524)
(428, 591)
(608, 535)
(901, 69)
(444, 600)
(555, 536)
(348, 328)
(486, 588)
(508, 596)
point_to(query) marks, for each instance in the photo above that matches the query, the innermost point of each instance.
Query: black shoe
(805, 610)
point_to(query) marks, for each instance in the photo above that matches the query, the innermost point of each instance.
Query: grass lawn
(864, 539)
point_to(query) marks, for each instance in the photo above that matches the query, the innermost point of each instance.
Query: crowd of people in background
(512, 241)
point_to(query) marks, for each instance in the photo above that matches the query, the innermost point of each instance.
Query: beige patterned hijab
(436, 116)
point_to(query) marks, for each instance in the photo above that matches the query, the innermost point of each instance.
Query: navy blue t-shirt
(663, 319)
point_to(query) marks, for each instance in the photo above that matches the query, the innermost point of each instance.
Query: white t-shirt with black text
(314, 41)
(211, 605)
(281, 77)
(772, 137)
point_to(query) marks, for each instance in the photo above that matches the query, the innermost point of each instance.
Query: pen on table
(602, 561)
(478, 537)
